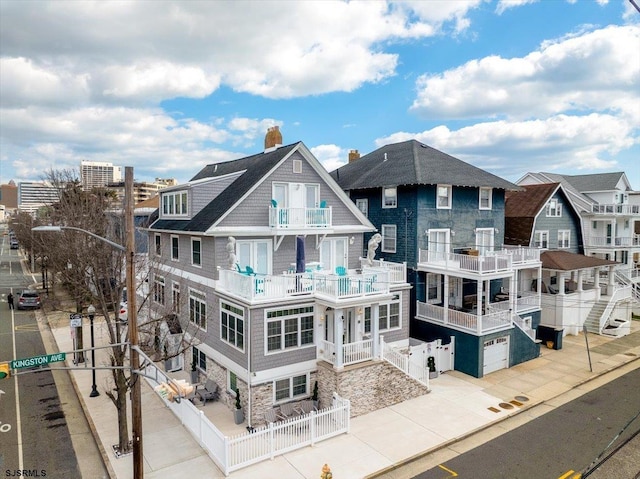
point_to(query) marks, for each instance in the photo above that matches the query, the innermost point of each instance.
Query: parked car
(14, 244)
(29, 299)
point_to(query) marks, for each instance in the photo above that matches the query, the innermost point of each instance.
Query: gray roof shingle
(413, 163)
(255, 168)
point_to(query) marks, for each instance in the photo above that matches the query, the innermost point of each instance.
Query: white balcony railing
(613, 241)
(615, 209)
(521, 254)
(397, 271)
(352, 353)
(493, 320)
(329, 286)
(299, 218)
(488, 263)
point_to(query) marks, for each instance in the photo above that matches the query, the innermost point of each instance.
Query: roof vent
(385, 156)
(273, 139)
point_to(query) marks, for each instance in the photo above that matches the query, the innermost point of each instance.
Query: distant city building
(95, 174)
(141, 191)
(164, 182)
(35, 194)
(9, 197)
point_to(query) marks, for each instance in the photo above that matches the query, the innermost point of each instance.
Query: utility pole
(130, 251)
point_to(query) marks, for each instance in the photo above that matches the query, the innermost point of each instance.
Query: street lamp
(136, 393)
(91, 311)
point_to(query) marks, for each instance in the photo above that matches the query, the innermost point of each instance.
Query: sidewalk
(457, 406)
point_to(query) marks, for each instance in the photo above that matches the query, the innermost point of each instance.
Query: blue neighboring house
(446, 220)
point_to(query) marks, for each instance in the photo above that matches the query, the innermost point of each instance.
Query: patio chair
(209, 392)
(288, 410)
(272, 416)
(306, 406)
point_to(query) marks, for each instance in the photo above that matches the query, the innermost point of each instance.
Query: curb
(471, 433)
(94, 432)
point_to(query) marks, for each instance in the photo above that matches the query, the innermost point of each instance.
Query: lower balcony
(488, 321)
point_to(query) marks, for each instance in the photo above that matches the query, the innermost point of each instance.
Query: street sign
(38, 360)
(75, 320)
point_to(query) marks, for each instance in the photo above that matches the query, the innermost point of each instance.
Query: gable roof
(254, 168)
(521, 209)
(413, 163)
(596, 182)
(580, 201)
(565, 261)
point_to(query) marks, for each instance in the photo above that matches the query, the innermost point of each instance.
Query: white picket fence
(266, 442)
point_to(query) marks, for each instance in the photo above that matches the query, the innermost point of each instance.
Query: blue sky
(168, 87)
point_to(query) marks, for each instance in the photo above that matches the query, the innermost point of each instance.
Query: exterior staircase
(593, 323)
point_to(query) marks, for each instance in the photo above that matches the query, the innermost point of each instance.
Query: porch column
(561, 278)
(612, 278)
(446, 298)
(375, 330)
(513, 291)
(580, 278)
(479, 308)
(338, 322)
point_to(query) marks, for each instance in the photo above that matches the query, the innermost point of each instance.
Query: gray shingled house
(261, 259)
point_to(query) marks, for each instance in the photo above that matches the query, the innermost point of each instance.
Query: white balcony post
(375, 329)
(338, 322)
(580, 278)
(479, 302)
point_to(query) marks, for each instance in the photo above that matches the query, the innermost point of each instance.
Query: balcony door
(439, 244)
(484, 240)
(296, 198)
(255, 253)
(333, 253)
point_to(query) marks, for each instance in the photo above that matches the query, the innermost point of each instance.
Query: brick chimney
(273, 139)
(353, 155)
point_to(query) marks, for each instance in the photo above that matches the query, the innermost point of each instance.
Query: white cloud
(504, 5)
(598, 70)
(562, 141)
(150, 51)
(330, 156)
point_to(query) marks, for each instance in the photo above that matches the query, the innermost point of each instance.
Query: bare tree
(93, 272)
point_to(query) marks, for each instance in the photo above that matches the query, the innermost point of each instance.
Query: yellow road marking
(576, 475)
(453, 474)
(27, 327)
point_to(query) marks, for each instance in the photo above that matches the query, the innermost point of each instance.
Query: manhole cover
(522, 398)
(505, 405)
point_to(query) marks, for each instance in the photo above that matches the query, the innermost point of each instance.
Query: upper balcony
(613, 241)
(616, 210)
(300, 218)
(318, 284)
(491, 320)
(490, 262)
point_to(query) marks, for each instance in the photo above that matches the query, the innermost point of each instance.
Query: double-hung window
(363, 205)
(158, 289)
(541, 239)
(389, 238)
(388, 316)
(175, 248)
(485, 198)
(175, 297)
(199, 358)
(389, 197)
(434, 288)
(198, 309)
(443, 197)
(564, 239)
(196, 254)
(232, 325)
(158, 244)
(291, 388)
(289, 329)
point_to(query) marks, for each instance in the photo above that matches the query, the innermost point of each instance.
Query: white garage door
(496, 354)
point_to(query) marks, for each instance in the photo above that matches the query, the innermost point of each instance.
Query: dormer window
(175, 203)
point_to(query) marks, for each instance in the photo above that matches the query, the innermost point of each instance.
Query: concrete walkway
(457, 407)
